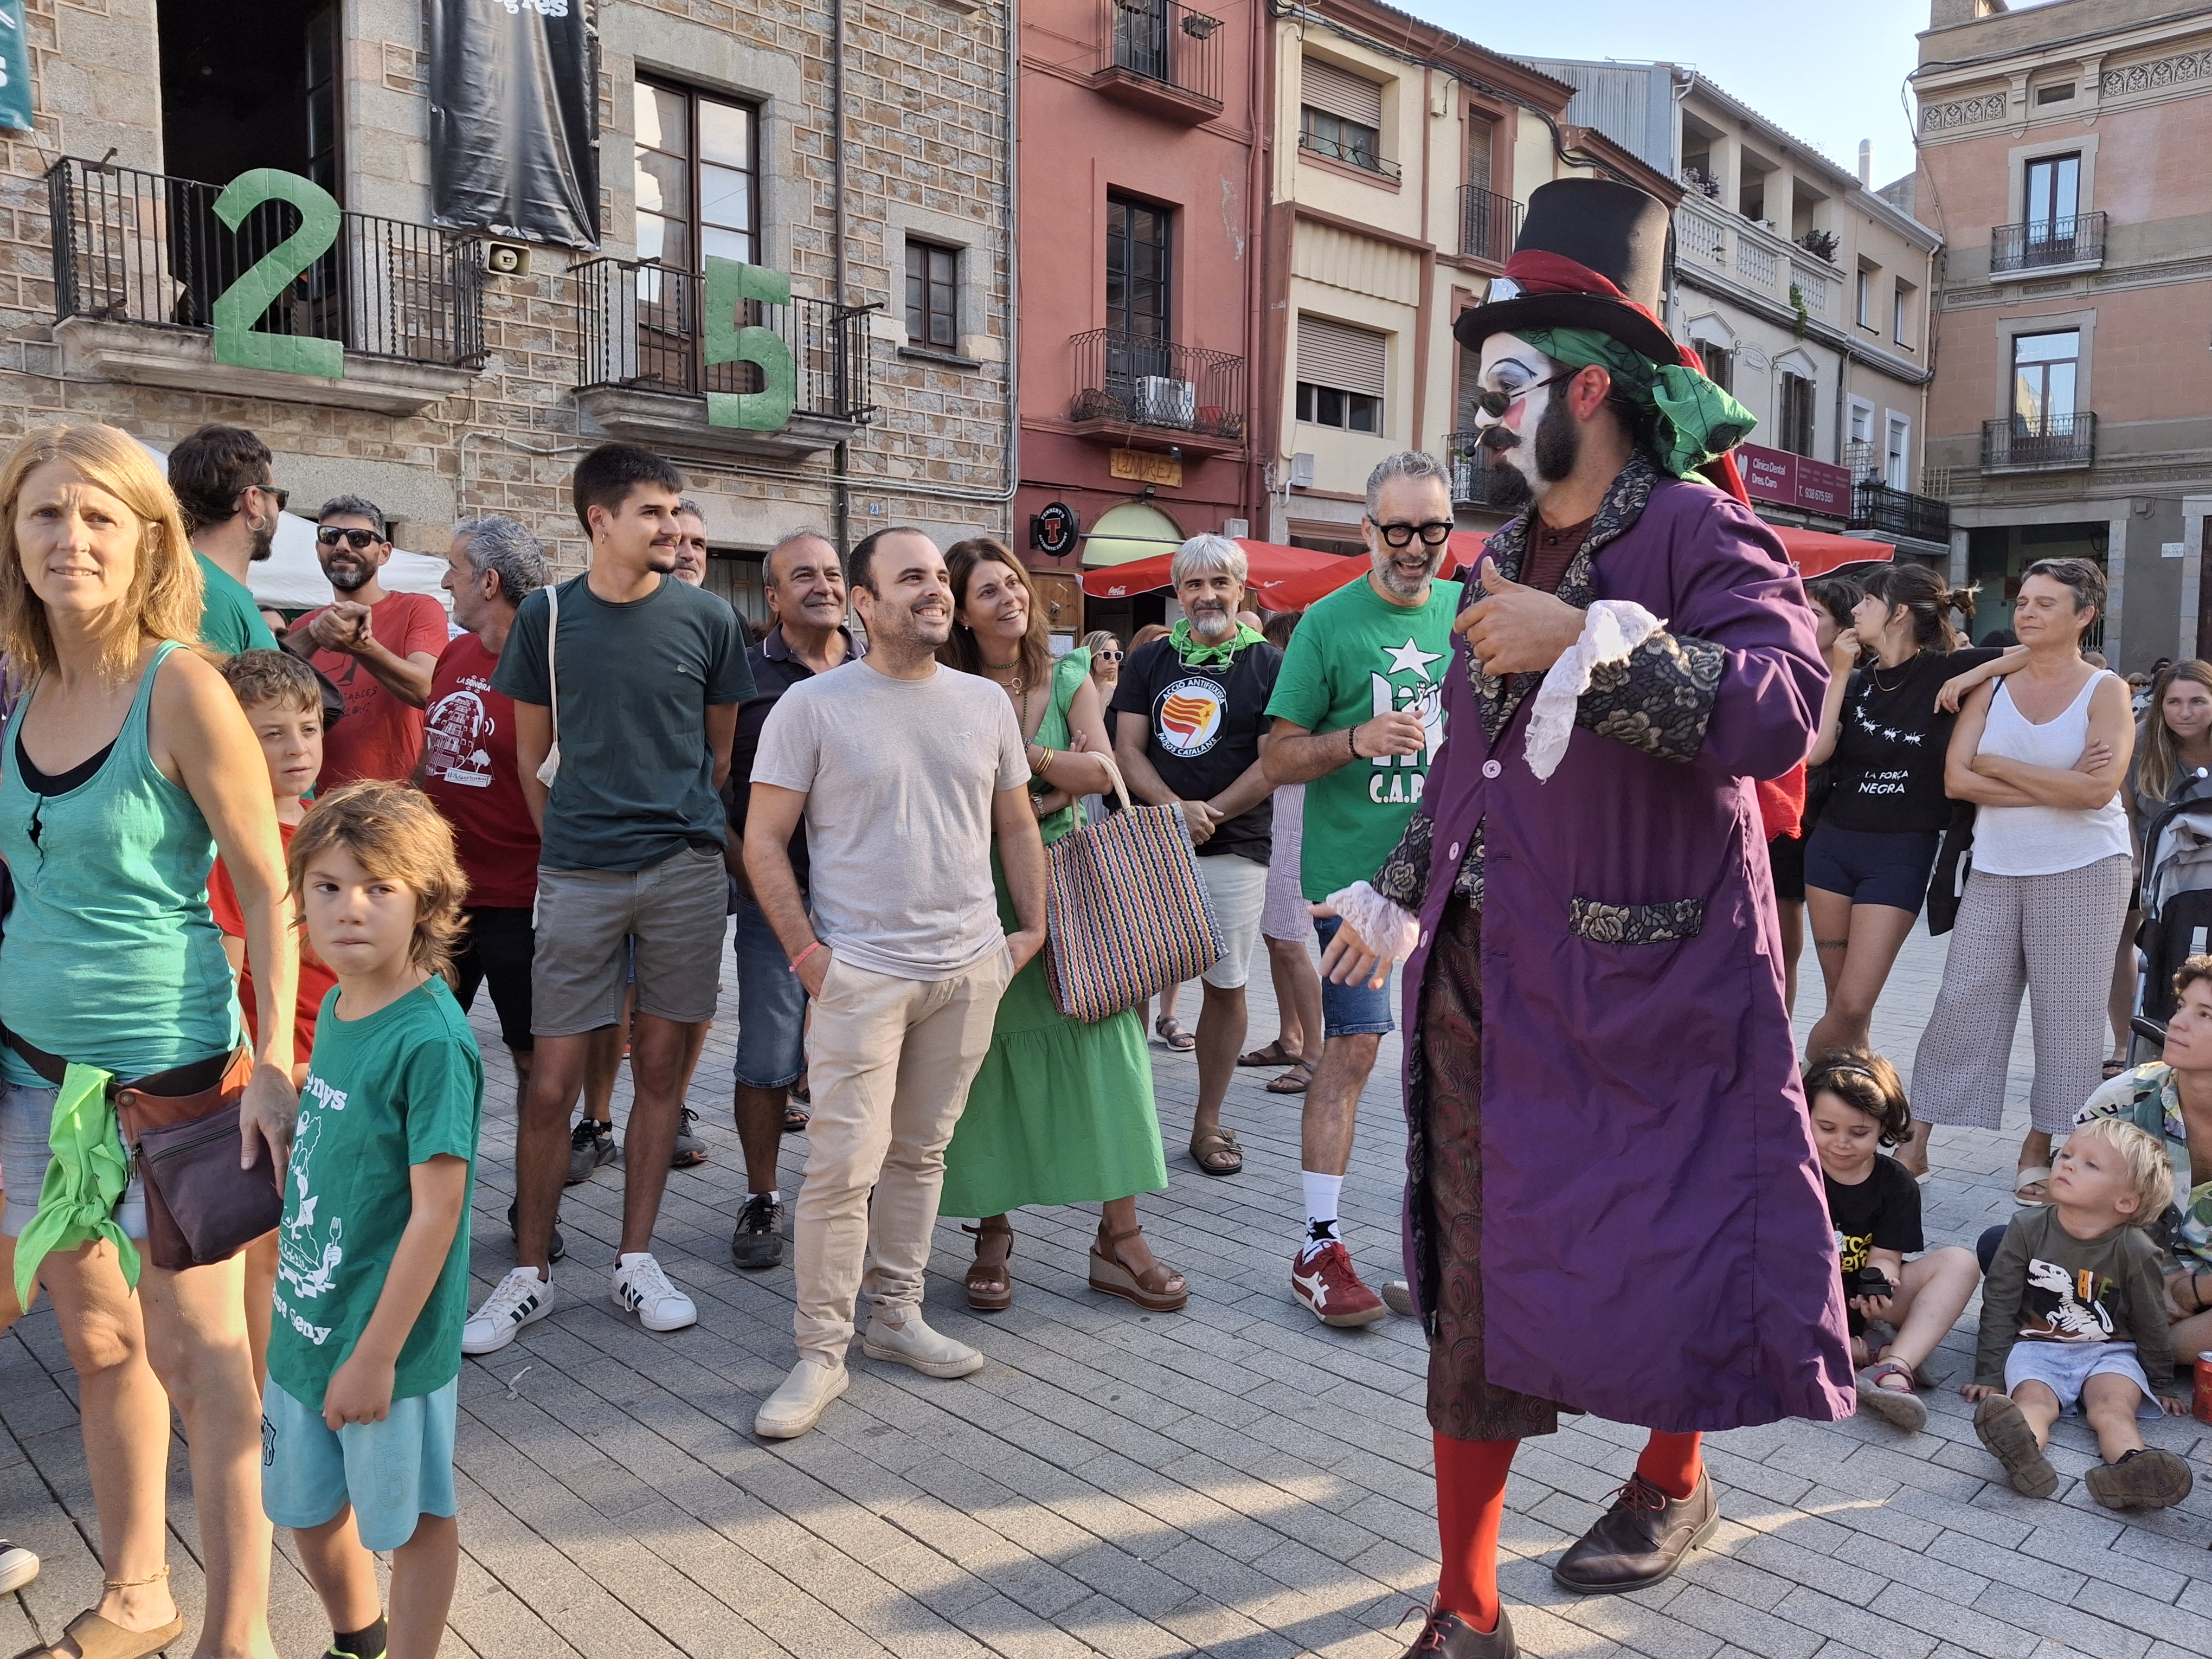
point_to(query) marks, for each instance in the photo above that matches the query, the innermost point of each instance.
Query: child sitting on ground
(2074, 1310)
(1857, 1107)
(283, 703)
(373, 1280)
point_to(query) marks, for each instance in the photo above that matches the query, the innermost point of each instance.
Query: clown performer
(1613, 1204)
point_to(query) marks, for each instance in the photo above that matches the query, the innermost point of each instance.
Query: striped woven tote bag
(1126, 914)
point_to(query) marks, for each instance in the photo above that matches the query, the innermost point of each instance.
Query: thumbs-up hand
(1513, 629)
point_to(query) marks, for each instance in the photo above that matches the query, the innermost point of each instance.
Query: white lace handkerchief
(1612, 629)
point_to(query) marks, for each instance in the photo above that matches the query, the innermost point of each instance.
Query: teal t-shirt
(383, 1094)
(1355, 656)
(229, 620)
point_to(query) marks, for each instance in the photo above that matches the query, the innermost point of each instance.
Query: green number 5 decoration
(244, 302)
(729, 284)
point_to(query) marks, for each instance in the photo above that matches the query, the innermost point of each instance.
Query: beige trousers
(889, 1063)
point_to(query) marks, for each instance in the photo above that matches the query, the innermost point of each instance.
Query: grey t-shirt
(898, 776)
(637, 779)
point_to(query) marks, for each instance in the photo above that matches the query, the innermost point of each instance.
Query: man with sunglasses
(1356, 721)
(380, 649)
(1614, 1205)
(224, 483)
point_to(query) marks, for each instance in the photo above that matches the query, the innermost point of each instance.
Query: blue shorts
(771, 1005)
(1872, 866)
(393, 1472)
(1351, 1010)
(2063, 1367)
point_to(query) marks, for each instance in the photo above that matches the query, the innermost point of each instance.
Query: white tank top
(2042, 841)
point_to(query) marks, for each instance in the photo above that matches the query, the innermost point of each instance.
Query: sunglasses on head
(1494, 403)
(360, 540)
(1435, 533)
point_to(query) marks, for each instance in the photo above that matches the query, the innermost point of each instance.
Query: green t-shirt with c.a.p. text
(383, 1094)
(1356, 655)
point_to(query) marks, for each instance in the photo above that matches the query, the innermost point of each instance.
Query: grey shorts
(26, 1125)
(675, 912)
(2063, 1367)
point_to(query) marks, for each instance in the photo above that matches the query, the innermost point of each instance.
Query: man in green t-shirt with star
(224, 482)
(1358, 720)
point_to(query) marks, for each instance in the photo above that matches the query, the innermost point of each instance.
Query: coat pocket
(1636, 924)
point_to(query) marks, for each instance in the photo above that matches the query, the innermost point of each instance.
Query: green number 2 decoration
(729, 284)
(244, 302)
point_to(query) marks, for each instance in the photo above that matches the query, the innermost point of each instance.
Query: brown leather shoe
(1641, 1540)
(1448, 1636)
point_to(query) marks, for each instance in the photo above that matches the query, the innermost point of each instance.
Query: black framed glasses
(1435, 533)
(360, 541)
(1494, 404)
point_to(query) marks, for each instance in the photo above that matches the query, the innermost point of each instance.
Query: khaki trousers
(889, 1064)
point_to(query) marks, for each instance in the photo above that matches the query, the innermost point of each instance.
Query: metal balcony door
(1139, 280)
(1140, 38)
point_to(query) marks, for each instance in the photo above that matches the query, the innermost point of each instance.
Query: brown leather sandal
(1216, 1152)
(1159, 1289)
(990, 1286)
(100, 1638)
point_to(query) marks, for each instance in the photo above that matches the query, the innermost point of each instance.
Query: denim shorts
(26, 1126)
(771, 1005)
(2063, 1367)
(393, 1472)
(1351, 1010)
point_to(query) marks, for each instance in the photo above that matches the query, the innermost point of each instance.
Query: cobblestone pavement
(1233, 1480)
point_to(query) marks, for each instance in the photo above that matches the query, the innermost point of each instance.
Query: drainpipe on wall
(841, 488)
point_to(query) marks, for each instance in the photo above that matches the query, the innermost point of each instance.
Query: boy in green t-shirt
(372, 1264)
(1358, 717)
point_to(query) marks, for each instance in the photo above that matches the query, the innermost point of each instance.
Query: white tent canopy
(291, 578)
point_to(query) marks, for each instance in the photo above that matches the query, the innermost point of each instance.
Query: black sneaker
(758, 1241)
(591, 1143)
(559, 1247)
(690, 1150)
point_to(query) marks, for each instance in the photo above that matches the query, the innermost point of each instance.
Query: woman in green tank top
(127, 766)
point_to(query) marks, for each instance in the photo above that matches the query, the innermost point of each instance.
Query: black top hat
(1578, 236)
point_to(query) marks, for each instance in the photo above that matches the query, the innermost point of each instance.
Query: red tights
(1471, 1503)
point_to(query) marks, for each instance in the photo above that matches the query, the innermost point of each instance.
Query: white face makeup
(1515, 370)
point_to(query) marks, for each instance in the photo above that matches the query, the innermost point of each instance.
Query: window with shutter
(1341, 117)
(1340, 375)
(1342, 93)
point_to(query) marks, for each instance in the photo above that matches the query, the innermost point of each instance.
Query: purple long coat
(1656, 1246)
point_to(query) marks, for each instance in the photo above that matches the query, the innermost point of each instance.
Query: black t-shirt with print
(1881, 1213)
(1206, 725)
(1887, 773)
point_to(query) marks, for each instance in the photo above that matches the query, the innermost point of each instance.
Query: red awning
(1282, 578)
(1815, 553)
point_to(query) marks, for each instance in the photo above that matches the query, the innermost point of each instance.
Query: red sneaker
(1329, 1285)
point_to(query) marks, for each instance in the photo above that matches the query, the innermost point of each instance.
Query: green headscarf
(1197, 654)
(1698, 422)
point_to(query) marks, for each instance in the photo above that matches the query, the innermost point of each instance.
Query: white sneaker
(798, 1404)
(911, 1342)
(642, 1289)
(521, 1298)
(18, 1567)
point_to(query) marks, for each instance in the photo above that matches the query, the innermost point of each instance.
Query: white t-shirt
(898, 776)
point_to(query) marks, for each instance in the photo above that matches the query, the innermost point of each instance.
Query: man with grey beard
(1358, 719)
(1198, 700)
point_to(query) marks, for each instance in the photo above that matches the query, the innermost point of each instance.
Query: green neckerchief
(1698, 422)
(1196, 655)
(76, 1204)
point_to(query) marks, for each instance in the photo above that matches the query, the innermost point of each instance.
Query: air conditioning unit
(1162, 401)
(1302, 470)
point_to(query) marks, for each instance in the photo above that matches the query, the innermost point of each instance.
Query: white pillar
(2116, 569)
(1960, 566)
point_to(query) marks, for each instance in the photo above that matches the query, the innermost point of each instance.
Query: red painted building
(1141, 203)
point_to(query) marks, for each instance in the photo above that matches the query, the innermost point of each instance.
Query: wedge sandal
(990, 1286)
(1159, 1289)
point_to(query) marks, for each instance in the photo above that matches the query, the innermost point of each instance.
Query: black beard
(264, 543)
(1557, 446)
(1558, 442)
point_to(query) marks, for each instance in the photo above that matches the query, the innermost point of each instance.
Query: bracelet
(1352, 742)
(2196, 1293)
(803, 955)
(1044, 766)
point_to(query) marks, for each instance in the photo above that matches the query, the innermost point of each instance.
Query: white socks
(1322, 1194)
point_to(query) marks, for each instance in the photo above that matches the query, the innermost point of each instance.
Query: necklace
(1875, 674)
(1013, 682)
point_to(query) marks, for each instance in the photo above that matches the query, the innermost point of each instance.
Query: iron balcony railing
(642, 326)
(140, 247)
(2027, 443)
(2044, 242)
(1488, 224)
(1176, 44)
(1875, 506)
(1470, 474)
(1127, 377)
(1353, 154)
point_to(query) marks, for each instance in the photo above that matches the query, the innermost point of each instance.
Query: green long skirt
(1061, 1113)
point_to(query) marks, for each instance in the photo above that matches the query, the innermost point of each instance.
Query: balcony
(2047, 247)
(141, 261)
(1712, 240)
(1129, 389)
(1876, 506)
(1488, 222)
(1160, 57)
(2052, 443)
(642, 371)
(1350, 156)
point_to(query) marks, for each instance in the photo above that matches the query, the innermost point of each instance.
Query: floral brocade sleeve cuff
(1659, 698)
(1404, 878)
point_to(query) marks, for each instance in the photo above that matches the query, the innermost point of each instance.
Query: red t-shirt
(315, 979)
(469, 770)
(380, 737)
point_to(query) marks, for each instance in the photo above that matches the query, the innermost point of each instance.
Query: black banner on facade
(514, 119)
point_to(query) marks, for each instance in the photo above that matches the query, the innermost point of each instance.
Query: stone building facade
(470, 387)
